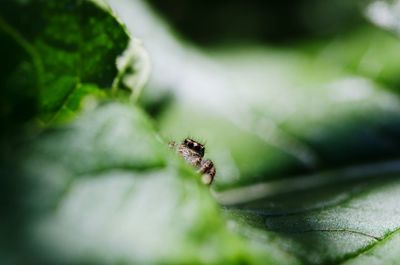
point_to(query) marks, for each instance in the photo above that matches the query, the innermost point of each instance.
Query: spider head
(194, 146)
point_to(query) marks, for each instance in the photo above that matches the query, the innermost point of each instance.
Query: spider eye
(190, 144)
(199, 148)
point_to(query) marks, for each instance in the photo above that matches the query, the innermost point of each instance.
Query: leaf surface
(313, 129)
(65, 50)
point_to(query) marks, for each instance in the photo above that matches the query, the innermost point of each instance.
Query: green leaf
(105, 190)
(329, 224)
(313, 128)
(55, 54)
(384, 252)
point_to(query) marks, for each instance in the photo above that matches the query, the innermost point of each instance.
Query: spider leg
(208, 170)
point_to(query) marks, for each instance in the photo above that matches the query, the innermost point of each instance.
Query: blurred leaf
(277, 114)
(104, 190)
(269, 113)
(384, 14)
(56, 53)
(361, 54)
(315, 134)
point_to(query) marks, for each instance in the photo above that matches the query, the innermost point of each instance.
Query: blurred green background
(277, 88)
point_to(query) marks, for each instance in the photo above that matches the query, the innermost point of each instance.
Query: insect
(193, 153)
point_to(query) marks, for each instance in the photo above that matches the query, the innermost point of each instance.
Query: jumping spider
(193, 153)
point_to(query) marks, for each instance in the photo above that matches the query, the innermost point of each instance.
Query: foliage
(305, 140)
